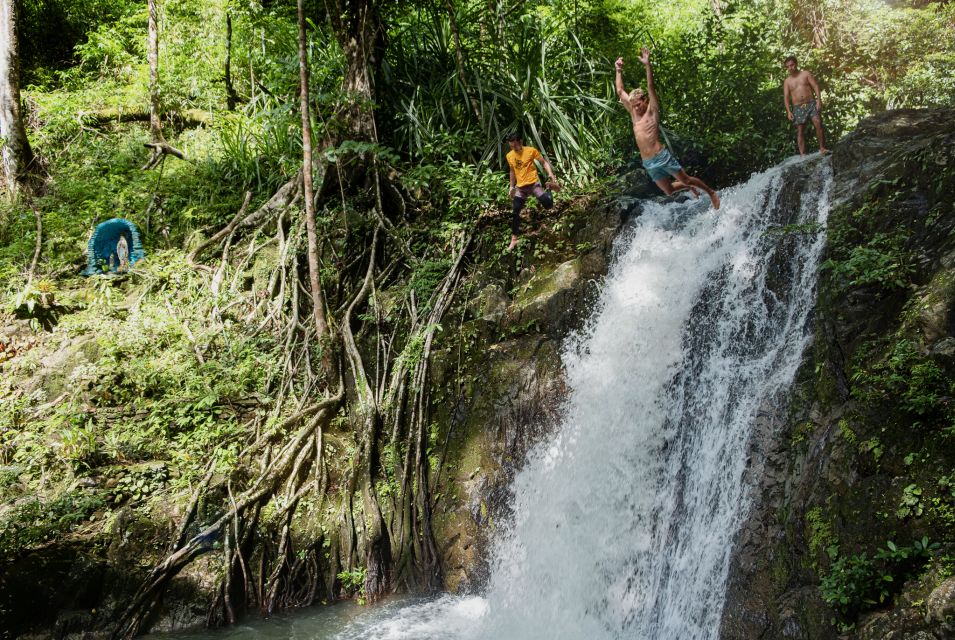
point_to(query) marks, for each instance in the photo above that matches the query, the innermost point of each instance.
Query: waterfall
(623, 522)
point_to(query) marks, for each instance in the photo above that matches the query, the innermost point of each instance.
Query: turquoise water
(443, 618)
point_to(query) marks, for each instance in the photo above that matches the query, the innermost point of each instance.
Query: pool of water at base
(398, 618)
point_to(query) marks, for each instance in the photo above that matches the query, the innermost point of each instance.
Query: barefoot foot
(715, 199)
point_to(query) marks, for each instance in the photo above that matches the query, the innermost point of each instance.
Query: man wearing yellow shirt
(524, 181)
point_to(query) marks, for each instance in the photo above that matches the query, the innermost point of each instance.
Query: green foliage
(34, 522)
(139, 483)
(911, 503)
(821, 536)
(353, 583)
(389, 486)
(158, 393)
(851, 583)
(847, 432)
(857, 583)
(49, 31)
(426, 277)
(942, 505)
(410, 356)
(77, 445)
(876, 56)
(870, 243)
(112, 49)
(531, 73)
(720, 83)
(143, 393)
(873, 446)
(882, 261)
(98, 178)
(261, 143)
(33, 294)
(903, 376)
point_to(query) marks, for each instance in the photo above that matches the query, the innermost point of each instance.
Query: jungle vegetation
(266, 368)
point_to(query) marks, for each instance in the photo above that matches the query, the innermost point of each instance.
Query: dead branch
(182, 119)
(225, 231)
(160, 151)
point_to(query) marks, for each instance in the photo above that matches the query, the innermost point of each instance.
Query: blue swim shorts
(662, 165)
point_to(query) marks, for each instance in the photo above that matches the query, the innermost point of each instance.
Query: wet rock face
(940, 606)
(513, 390)
(867, 152)
(828, 462)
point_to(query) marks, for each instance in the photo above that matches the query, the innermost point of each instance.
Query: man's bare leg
(801, 138)
(820, 136)
(684, 178)
(665, 186)
(679, 186)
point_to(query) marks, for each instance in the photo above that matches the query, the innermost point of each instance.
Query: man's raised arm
(618, 82)
(651, 90)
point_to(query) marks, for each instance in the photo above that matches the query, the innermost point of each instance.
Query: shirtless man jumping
(644, 110)
(801, 91)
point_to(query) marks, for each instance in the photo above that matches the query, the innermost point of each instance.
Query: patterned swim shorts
(803, 112)
(662, 165)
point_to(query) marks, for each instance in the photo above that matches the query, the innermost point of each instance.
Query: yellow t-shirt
(523, 165)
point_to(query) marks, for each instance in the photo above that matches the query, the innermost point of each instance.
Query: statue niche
(114, 247)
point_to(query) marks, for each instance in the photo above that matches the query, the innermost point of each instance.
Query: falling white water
(623, 523)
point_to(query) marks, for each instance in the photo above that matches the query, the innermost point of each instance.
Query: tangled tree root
(265, 562)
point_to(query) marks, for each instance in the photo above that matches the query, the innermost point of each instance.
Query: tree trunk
(17, 155)
(459, 59)
(357, 25)
(230, 95)
(318, 298)
(155, 125)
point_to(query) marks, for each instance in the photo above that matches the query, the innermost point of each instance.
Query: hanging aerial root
(414, 544)
(282, 198)
(148, 596)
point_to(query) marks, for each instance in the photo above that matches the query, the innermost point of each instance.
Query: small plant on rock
(353, 583)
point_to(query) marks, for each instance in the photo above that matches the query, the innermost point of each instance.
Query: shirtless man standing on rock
(644, 110)
(801, 91)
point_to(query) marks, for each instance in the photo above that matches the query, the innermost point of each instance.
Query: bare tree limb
(225, 231)
(160, 151)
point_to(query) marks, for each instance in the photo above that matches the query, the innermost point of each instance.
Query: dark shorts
(528, 190)
(521, 194)
(803, 112)
(662, 165)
